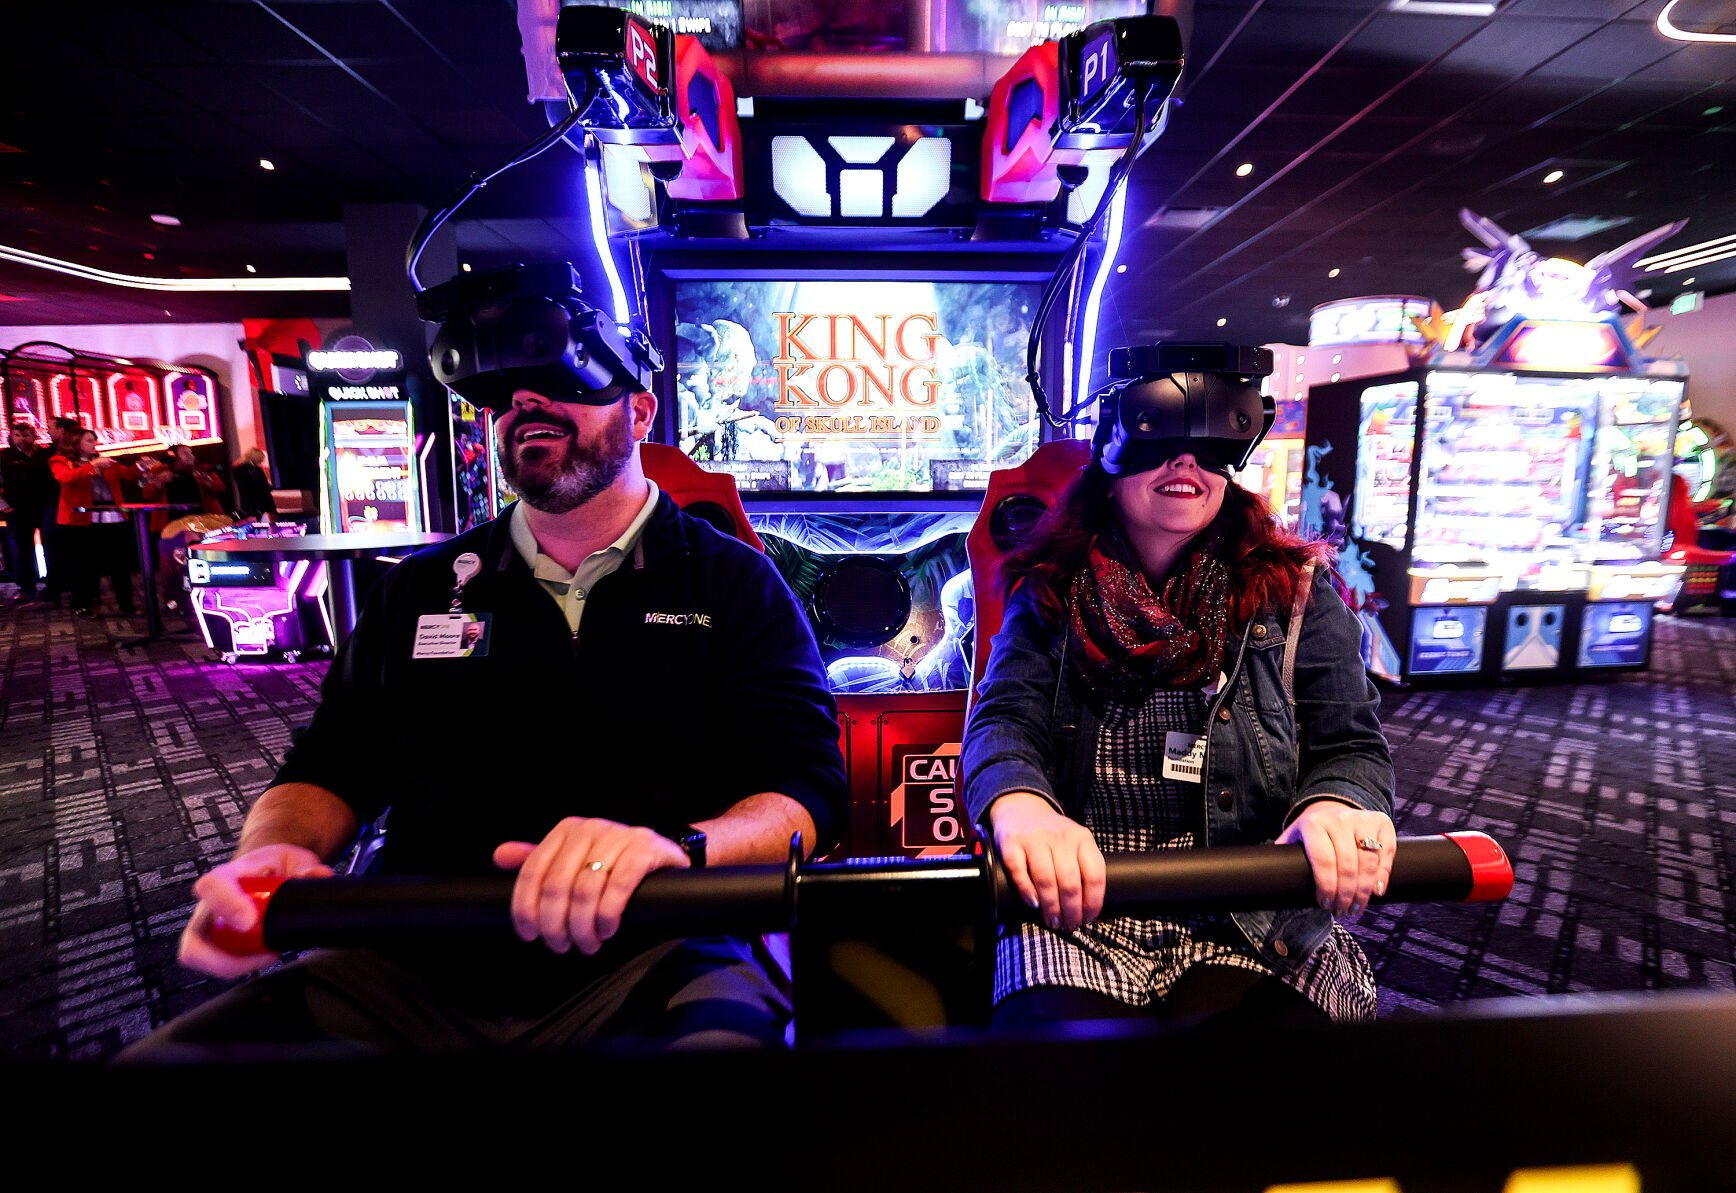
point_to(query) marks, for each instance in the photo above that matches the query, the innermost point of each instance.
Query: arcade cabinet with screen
(370, 469)
(847, 268)
(1499, 503)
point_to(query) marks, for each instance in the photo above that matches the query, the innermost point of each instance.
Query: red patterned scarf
(1129, 639)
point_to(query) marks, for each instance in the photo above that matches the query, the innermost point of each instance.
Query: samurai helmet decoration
(1516, 280)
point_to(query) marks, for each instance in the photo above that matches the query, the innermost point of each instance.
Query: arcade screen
(1533, 466)
(371, 461)
(867, 386)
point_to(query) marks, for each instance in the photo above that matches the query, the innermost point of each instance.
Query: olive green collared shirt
(570, 590)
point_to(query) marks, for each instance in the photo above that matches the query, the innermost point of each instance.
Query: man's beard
(557, 484)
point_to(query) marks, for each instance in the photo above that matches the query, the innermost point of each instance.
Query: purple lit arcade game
(840, 234)
(1499, 496)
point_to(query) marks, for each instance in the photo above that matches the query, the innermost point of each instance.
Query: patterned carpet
(122, 775)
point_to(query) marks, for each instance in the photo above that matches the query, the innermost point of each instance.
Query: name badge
(1184, 757)
(451, 636)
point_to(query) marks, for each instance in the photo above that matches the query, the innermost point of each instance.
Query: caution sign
(926, 810)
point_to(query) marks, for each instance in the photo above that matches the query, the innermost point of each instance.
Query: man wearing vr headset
(643, 693)
(1176, 671)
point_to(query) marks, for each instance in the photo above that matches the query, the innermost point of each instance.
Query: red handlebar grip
(1491, 872)
(260, 888)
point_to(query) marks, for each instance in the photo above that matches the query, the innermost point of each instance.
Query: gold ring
(1372, 844)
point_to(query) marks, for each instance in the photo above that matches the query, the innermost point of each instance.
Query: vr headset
(1171, 399)
(531, 328)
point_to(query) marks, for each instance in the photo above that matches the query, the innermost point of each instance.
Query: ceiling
(1367, 129)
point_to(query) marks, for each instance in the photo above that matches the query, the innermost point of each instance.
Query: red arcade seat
(1016, 498)
(1710, 573)
(707, 495)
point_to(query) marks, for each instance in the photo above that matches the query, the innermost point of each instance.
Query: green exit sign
(1688, 301)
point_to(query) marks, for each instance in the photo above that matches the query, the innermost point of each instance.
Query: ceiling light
(250, 269)
(1121, 269)
(1687, 281)
(1339, 359)
(168, 221)
(167, 311)
(1300, 359)
(1336, 376)
(91, 273)
(1713, 111)
(1333, 272)
(1669, 29)
(1723, 254)
(1654, 263)
(1442, 8)
(1222, 322)
(1245, 169)
(465, 267)
(266, 163)
(1553, 176)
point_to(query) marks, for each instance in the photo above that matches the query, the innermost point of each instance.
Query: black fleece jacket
(694, 682)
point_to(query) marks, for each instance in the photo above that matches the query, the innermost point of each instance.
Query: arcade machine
(259, 609)
(855, 295)
(1706, 460)
(371, 463)
(1275, 469)
(1499, 501)
(134, 406)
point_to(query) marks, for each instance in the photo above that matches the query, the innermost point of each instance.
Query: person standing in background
(253, 486)
(27, 486)
(93, 542)
(64, 433)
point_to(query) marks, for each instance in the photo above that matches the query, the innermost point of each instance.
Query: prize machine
(853, 293)
(371, 464)
(1499, 502)
(1274, 470)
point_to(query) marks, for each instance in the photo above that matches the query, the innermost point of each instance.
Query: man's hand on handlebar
(574, 885)
(221, 898)
(1052, 861)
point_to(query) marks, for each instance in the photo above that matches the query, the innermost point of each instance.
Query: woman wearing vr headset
(1176, 671)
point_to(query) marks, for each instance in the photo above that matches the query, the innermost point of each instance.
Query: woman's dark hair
(1264, 559)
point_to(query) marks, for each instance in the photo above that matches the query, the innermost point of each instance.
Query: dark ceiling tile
(1616, 51)
(229, 32)
(1510, 46)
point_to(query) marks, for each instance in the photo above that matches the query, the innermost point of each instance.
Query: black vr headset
(531, 328)
(1171, 399)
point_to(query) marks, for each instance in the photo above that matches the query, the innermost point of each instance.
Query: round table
(139, 512)
(339, 550)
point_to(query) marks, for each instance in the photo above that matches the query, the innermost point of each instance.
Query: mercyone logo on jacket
(702, 620)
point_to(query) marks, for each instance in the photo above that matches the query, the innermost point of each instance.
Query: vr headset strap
(1298, 606)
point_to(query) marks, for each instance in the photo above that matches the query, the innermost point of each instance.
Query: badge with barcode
(1184, 756)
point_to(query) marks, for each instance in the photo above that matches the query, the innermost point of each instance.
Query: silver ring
(595, 866)
(1372, 844)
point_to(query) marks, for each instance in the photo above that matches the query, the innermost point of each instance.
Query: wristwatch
(692, 842)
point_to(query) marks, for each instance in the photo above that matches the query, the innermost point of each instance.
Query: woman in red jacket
(93, 543)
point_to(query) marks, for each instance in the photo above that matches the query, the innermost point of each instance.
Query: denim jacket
(1032, 730)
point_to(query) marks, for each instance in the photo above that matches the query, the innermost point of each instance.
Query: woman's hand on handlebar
(1337, 838)
(221, 898)
(1052, 861)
